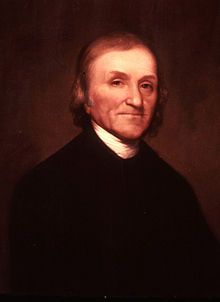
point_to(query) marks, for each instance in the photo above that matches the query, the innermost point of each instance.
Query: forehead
(137, 60)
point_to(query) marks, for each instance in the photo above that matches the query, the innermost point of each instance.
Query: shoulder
(176, 199)
(53, 174)
(65, 157)
(159, 168)
(172, 189)
(60, 163)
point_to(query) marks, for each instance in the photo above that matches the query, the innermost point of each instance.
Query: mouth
(132, 114)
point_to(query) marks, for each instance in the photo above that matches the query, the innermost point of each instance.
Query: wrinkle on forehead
(139, 60)
(120, 74)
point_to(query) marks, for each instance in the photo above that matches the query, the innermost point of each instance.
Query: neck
(122, 149)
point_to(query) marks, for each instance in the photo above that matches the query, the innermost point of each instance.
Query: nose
(134, 97)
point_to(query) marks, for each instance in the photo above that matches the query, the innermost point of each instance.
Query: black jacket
(88, 223)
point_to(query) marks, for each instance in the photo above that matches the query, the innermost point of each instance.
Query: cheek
(152, 101)
(107, 99)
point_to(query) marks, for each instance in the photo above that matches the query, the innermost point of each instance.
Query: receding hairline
(100, 49)
(121, 39)
(115, 41)
(107, 50)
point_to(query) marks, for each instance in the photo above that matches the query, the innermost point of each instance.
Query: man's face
(123, 91)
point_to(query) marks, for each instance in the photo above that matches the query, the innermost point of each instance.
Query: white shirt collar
(122, 149)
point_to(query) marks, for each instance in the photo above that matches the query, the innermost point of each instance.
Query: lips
(132, 114)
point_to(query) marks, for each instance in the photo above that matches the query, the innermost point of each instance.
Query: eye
(116, 83)
(147, 86)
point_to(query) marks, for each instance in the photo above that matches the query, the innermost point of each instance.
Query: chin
(129, 130)
(129, 134)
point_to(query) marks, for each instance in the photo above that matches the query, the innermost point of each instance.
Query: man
(105, 216)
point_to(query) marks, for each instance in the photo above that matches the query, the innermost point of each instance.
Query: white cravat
(115, 144)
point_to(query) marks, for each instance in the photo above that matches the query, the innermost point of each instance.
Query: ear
(88, 105)
(87, 108)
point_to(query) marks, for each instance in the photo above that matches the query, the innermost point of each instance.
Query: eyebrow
(118, 73)
(125, 75)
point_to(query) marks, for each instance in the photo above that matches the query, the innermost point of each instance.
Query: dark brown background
(39, 42)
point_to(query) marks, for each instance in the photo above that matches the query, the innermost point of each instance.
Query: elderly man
(105, 216)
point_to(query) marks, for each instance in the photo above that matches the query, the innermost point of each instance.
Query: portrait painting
(110, 156)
